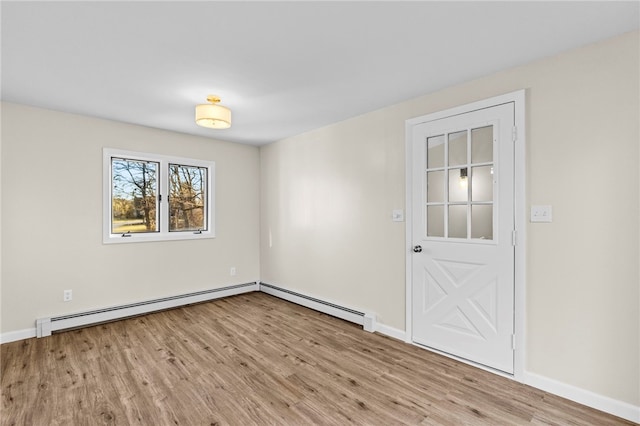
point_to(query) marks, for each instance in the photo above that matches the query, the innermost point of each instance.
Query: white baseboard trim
(591, 399)
(13, 336)
(367, 320)
(45, 326)
(391, 332)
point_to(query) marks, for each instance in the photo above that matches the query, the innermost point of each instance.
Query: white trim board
(14, 336)
(582, 396)
(390, 331)
(599, 402)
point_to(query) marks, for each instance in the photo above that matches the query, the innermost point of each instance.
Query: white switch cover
(397, 215)
(541, 214)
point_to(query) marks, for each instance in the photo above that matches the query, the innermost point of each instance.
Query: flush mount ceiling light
(212, 115)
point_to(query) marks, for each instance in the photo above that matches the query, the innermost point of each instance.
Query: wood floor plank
(252, 360)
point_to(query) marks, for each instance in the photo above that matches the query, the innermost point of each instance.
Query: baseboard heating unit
(45, 326)
(366, 320)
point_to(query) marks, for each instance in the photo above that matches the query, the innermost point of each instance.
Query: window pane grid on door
(435, 152)
(482, 221)
(458, 188)
(457, 148)
(460, 185)
(435, 187)
(482, 145)
(435, 221)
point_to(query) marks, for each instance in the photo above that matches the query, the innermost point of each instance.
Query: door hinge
(514, 238)
(514, 133)
(513, 342)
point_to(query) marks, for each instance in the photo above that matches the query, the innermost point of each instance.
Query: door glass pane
(435, 187)
(458, 221)
(134, 188)
(458, 185)
(482, 222)
(458, 148)
(482, 183)
(482, 145)
(435, 221)
(435, 152)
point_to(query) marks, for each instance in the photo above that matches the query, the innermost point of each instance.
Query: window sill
(148, 238)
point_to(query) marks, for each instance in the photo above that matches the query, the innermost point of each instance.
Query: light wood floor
(255, 359)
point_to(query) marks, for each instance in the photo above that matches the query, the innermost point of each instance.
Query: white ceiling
(282, 67)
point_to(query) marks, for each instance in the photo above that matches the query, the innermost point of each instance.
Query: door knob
(417, 249)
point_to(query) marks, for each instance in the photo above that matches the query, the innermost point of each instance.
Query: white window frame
(163, 206)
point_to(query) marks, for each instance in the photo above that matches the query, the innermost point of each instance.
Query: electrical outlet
(541, 214)
(67, 295)
(232, 272)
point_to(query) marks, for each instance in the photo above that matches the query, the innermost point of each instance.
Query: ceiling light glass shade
(212, 115)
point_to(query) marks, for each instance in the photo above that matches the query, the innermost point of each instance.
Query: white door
(462, 238)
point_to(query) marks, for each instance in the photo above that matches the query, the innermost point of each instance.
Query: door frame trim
(519, 100)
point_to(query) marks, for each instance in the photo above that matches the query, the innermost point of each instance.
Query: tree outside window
(186, 198)
(150, 197)
(134, 196)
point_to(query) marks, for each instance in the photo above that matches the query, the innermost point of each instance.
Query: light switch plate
(541, 214)
(397, 215)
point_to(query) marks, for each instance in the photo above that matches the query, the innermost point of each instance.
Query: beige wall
(327, 197)
(325, 209)
(52, 218)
